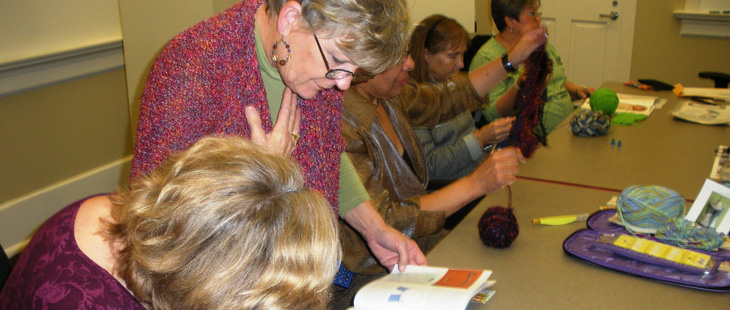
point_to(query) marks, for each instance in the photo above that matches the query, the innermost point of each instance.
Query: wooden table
(535, 273)
(661, 150)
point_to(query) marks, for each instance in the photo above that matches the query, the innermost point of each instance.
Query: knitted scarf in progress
(529, 129)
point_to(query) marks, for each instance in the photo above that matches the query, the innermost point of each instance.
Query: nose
(344, 83)
(409, 64)
(460, 62)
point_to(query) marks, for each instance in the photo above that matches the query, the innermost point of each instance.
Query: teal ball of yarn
(604, 99)
(643, 209)
(587, 123)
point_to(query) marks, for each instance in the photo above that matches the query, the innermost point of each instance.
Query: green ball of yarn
(604, 99)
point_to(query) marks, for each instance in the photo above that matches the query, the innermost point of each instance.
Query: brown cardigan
(393, 187)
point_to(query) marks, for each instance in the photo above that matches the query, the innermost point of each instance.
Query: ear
(290, 18)
(510, 22)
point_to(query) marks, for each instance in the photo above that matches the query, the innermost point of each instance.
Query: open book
(636, 104)
(422, 288)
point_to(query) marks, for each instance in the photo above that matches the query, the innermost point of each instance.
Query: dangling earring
(288, 53)
(511, 30)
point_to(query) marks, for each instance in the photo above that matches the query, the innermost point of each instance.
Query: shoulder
(489, 51)
(88, 228)
(358, 107)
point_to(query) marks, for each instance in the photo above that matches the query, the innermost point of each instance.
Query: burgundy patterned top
(199, 86)
(53, 273)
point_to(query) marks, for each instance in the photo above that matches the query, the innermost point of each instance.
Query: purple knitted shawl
(199, 86)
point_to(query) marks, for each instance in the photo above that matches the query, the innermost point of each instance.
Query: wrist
(508, 66)
(365, 219)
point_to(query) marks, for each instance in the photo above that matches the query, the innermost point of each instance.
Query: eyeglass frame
(338, 74)
(533, 13)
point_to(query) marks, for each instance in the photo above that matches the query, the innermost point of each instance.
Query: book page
(422, 288)
(636, 104)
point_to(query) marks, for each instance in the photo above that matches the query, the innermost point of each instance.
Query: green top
(558, 105)
(352, 192)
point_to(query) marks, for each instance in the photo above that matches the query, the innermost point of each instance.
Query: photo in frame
(712, 207)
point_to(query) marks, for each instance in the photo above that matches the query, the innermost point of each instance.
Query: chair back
(473, 47)
(4, 267)
(721, 79)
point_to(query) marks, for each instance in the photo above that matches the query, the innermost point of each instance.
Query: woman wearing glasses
(377, 124)
(234, 73)
(512, 18)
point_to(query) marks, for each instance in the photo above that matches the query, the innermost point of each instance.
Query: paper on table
(722, 94)
(702, 113)
(633, 104)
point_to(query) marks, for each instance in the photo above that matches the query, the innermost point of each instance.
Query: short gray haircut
(372, 33)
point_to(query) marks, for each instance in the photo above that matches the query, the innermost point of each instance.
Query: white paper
(702, 113)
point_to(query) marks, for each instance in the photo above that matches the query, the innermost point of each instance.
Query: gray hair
(372, 33)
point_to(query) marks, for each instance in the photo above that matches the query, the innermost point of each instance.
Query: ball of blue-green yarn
(604, 99)
(587, 123)
(644, 208)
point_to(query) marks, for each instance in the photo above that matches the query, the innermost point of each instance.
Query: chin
(307, 93)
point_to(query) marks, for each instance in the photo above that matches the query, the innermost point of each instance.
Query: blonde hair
(372, 33)
(436, 33)
(225, 225)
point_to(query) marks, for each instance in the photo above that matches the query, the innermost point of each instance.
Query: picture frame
(712, 207)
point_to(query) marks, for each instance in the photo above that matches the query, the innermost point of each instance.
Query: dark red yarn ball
(498, 227)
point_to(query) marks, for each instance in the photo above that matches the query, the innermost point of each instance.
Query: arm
(486, 77)
(498, 171)
(452, 154)
(388, 245)
(429, 105)
(577, 91)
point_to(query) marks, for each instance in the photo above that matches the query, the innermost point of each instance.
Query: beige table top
(535, 273)
(659, 151)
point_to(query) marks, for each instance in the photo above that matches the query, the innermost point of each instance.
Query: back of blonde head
(225, 225)
(372, 33)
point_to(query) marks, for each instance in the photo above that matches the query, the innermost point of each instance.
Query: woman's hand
(526, 44)
(498, 170)
(495, 131)
(284, 136)
(577, 91)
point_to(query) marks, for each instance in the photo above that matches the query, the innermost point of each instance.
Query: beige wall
(54, 133)
(661, 53)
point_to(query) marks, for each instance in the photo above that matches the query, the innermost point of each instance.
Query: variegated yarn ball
(645, 208)
(587, 123)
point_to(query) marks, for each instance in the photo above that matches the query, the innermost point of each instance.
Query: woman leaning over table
(377, 125)
(232, 73)
(513, 18)
(188, 235)
(454, 148)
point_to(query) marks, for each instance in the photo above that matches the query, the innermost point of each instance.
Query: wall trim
(56, 67)
(22, 216)
(703, 24)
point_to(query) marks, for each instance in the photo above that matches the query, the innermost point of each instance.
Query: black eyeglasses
(338, 74)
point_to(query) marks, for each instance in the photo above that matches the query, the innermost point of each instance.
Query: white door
(593, 37)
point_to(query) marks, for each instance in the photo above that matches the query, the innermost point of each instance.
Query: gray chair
(721, 79)
(4, 267)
